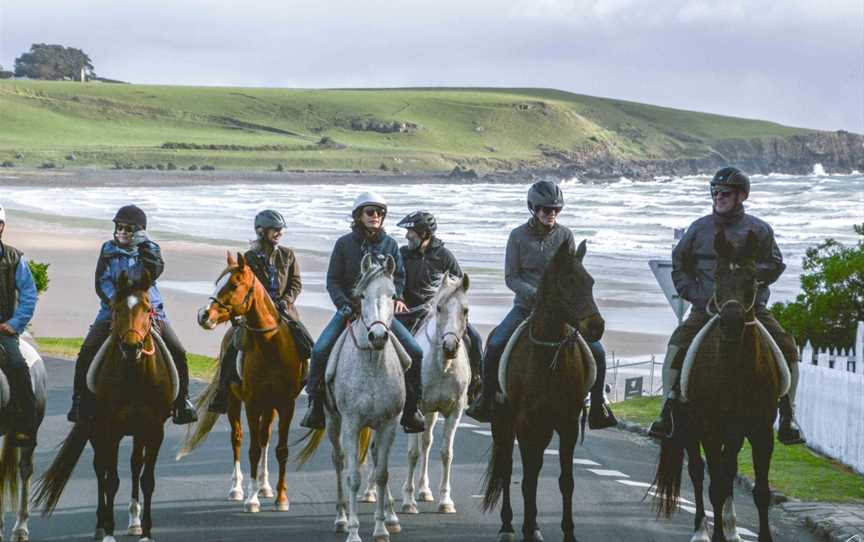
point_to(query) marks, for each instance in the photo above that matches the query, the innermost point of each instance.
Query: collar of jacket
(538, 229)
(257, 247)
(732, 217)
(112, 249)
(433, 244)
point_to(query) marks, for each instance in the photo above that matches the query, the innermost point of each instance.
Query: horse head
(735, 284)
(132, 315)
(376, 291)
(567, 289)
(231, 295)
(451, 313)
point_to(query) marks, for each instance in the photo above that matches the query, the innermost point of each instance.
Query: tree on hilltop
(54, 62)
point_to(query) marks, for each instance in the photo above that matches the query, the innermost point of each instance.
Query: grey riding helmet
(269, 219)
(545, 194)
(368, 199)
(423, 222)
(731, 177)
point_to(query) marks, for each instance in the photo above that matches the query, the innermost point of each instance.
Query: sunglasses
(128, 228)
(721, 193)
(548, 210)
(374, 211)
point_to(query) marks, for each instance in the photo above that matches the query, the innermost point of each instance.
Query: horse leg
(253, 420)
(385, 518)
(568, 440)
(424, 494)
(730, 462)
(112, 484)
(762, 442)
(285, 415)
(99, 442)
(349, 440)
(696, 469)
(371, 494)
(531, 447)
(234, 407)
(264, 488)
(337, 456)
(451, 422)
(409, 504)
(137, 464)
(504, 437)
(716, 487)
(148, 479)
(21, 529)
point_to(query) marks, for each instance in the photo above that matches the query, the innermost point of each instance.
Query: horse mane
(366, 279)
(439, 289)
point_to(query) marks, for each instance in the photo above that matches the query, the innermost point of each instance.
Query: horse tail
(52, 482)
(363, 440)
(8, 475)
(500, 467)
(667, 481)
(197, 433)
(315, 436)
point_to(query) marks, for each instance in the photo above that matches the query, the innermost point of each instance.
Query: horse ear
(465, 282)
(146, 280)
(123, 282)
(390, 265)
(583, 248)
(751, 246)
(366, 263)
(230, 259)
(241, 260)
(722, 247)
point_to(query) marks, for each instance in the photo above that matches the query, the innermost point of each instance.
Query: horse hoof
(446, 508)
(20, 536)
(99, 534)
(393, 527)
(282, 506)
(109, 538)
(340, 526)
(266, 492)
(146, 540)
(369, 496)
(134, 530)
(235, 495)
(506, 537)
(382, 538)
(536, 536)
(253, 507)
(701, 535)
(409, 508)
(425, 496)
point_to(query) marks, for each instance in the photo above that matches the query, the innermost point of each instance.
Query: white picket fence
(830, 401)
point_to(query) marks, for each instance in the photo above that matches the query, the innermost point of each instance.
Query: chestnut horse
(135, 385)
(271, 380)
(549, 374)
(736, 375)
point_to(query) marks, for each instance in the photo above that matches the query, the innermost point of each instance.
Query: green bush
(40, 274)
(832, 303)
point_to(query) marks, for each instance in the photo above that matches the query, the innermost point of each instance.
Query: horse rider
(367, 236)
(17, 304)
(277, 269)
(426, 260)
(693, 260)
(530, 248)
(133, 252)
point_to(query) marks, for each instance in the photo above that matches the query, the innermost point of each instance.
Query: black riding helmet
(731, 177)
(131, 214)
(423, 222)
(545, 194)
(269, 218)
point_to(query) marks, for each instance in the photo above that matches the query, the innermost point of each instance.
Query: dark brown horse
(546, 382)
(733, 385)
(272, 380)
(134, 389)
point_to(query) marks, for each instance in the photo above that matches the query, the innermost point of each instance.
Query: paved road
(613, 468)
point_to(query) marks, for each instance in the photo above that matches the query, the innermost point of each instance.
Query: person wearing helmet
(367, 236)
(277, 269)
(132, 252)
(693, 261)
(426, 260)
(17, 304)
(530, 248)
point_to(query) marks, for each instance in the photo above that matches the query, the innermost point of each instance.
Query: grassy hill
(406, 129)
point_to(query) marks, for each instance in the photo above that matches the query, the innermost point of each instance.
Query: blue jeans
(331, 333)
(501, 335)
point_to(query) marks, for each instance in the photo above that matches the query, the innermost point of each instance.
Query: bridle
(720, 308)
(350, 325)
(566, 342)
(143, 336)
(239, 319)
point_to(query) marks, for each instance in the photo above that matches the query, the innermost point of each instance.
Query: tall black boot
(600, 414)
(314, 418)
(219, 403)
(475, 357)
(788, 431)
(664, 426)
(24, 425)
(412, 421)
(183, 412)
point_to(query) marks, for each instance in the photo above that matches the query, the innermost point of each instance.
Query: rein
(350, 325)
(567, 341)
(241, 321)
(713, 301)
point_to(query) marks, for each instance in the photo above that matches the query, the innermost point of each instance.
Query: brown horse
(546, 382)
(271, 380)
(134, 386)
(735, 379)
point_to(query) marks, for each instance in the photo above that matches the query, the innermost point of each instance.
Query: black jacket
(422, 270)
(344, 269)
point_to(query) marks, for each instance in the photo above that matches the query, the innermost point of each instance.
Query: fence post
(859, 347)
(807, 354)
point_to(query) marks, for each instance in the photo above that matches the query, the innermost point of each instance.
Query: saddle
(96, 364)
(765, 337)
(31, 356)
(580, 343)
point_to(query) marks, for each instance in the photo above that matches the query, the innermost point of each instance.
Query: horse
(272, 377)
(135, 384)
(16, 465)
(732, 385)
(446, 373)
(367, 393)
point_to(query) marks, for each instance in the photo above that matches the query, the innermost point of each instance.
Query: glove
(139, 237)
(282, 306)
(346, 311)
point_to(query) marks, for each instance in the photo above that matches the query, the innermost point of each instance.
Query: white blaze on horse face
(223, 280)
(132, 301)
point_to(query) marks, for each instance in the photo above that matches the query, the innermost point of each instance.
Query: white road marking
(550, 452)
(468, 425)
(588, 463)
(482, 432)
(607, 472)
(633, 483)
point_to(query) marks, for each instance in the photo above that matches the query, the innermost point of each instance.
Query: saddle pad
(689, 359)
(333, 360)
(28, 350)
(96, 364)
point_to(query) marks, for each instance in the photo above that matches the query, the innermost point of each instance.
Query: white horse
(446, 373)
(16, 465)
(365, 391)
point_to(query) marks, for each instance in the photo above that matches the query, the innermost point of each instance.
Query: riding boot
(481, 408)
(219, 403)
(788, 431)
(475, 357)
(314, 418)
(24, 425)
(78, 384)
(664, 426)
(600, 414)
(412, 421)
(183, 412)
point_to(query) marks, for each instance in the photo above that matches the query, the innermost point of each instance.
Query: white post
(807, 354)
(859, 348)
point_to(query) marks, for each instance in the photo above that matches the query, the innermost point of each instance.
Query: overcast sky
(797, 62)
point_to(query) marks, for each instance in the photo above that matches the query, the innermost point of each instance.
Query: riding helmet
(269, 218)
(131, 214)
(545, 194)
(368, 199)
(423, 222)
(732, 177)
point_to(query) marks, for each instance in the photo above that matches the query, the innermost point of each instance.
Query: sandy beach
(70, 304)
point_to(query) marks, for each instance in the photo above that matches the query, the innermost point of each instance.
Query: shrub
(171, 166)
(208, 168)
(193, 167)
(48, 165)
(8, 163)
(40, 275)
(160, 167)
(71, 157)
(280, 167)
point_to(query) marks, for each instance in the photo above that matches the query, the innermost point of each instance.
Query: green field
(261, 128)
(796, 471)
